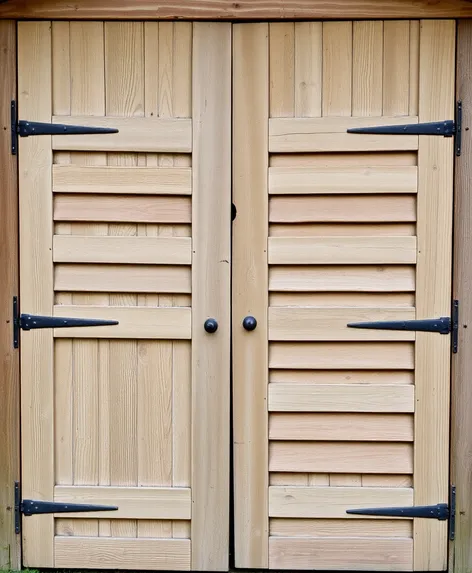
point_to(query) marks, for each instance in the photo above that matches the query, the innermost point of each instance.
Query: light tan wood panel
(280, 527)
(36, 292)
(211, 215)
(250, 230)
(367, 65)
(334, 159)
(343, 278)
(342, 209)
(132, 503)
(332, 502)
(123, 180)
(435, 200)
(127, 250)
(109, 208)
(350, 299)
(120, 278)
(337, 68)
(345, 553)
(340, 398)
(134, 322)
(342, 229)
(341, 457)
(396, 68)
(308, 68)
(308, 135)
(282, 69)
(328, 323)
(362, 355)
(164, 135)
(341, 251)
(341, 427)
(106, 553)
(343, 180)
(375, 377)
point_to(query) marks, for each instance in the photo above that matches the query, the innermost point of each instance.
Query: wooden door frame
(461, 396)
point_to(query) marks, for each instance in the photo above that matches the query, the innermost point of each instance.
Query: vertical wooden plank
(367, 68)
(461, 426)
(282, 69)
(36, 289)
(250, 294)
(396, 67)
(337, 68)
(433, 285)
(414, 66)
(308, 68)
(211, 230)
(9, 357)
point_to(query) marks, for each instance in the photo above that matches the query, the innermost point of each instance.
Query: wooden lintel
(235, 9)
(9, 361)
(461, 393)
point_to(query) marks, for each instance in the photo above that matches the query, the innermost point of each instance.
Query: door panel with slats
(334, 228)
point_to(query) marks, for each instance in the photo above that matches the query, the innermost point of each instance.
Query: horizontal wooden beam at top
(232, 10)
(332, 502)
(132, 502)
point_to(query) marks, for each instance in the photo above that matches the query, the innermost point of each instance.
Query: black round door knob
(249, 323)
(211, 325)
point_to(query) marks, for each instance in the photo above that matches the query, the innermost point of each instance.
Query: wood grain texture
(10, 556)
(226, 9)
(340, 398)
(250, 230)
(343, 427)
(211, 229)
(433, 272)
(280, 527)
(332, 502)
(106, 553)
(36, 292)
(461, 391)
(381, 554)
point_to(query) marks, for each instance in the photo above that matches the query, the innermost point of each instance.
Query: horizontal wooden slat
(381, 377)
(122, 553)
(128, 250)
(298, 135)
(122, 278)
(342, 229)
(379, 480)
(380, 554)
(343, 278)
(134, 322)
(342, 208)
(132, 502)
(335, 159)
(342, 427)
(125, 180)
(120, 208)
(322, 502)
(343, 180)
(136, 134)
(341, 398)
(348, 299)
(281, 527)
(341, 250)
(305, 323)
(339, 355)
(341, 457)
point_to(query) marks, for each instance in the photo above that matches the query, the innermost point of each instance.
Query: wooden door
(135, 227)
(334, 228)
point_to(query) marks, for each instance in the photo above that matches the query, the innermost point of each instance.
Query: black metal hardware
(33, 322)
(445, 128)
(443, 325)
(34, 507)
(234, 212)
(250, 323)
(211, 325)
(452, 516)
(29, 128)
(439, 511)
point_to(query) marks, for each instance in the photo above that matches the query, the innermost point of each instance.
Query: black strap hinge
(35, 507)
(442, 325)
(34, 322)
(23, 128)
(447, 128)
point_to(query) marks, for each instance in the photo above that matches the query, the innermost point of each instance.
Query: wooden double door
(233, 209)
